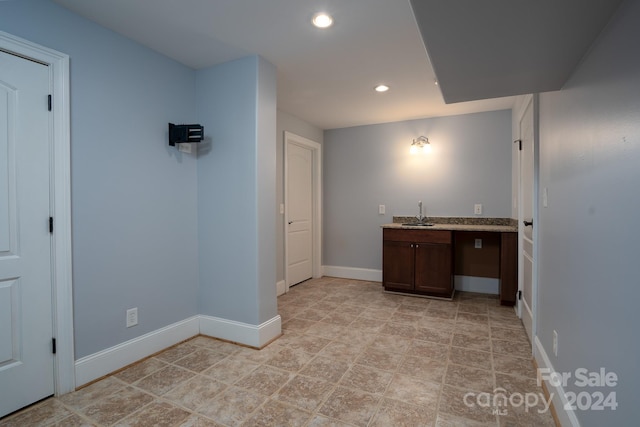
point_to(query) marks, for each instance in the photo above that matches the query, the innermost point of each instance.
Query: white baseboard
(242, 333)
(97, 365)
(104, 362)
(481, 285)
(527, 317)
(353, 273)
(566, 418)
(281, 287)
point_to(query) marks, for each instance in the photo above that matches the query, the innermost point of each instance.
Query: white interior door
(26, 330)
(527, 235)
(299, 213)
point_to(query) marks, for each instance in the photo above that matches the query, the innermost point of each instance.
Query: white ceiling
(481, 49)
(325, 77)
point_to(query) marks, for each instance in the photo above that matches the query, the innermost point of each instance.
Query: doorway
(303, 209)
(528, 217)
(35, 227)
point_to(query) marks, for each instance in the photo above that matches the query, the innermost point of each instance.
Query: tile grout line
(356, 308)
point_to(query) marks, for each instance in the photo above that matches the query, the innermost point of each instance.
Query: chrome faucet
(420, 217)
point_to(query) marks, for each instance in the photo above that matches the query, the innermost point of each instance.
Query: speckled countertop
(502, 225)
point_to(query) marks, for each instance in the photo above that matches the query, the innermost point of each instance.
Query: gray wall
(287, 122)
(236, 103)
(133, 197)
(367, 166)
(588, 252)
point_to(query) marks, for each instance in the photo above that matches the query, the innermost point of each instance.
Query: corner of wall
(556, 392)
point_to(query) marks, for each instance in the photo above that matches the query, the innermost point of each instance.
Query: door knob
(527, 223)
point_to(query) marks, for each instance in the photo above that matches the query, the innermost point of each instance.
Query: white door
(527, 235)
(299, 213)
(26, 330)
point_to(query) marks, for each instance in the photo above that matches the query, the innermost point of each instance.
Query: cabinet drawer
(425, 236)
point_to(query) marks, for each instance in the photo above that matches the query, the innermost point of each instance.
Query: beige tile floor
(350, 355)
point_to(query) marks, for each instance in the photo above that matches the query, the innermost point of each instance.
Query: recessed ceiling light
(322, 20)
(382, 88)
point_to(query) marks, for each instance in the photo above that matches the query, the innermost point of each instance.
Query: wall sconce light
(182, 134)
(420, 145)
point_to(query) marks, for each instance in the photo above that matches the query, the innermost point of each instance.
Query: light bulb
(322, 20)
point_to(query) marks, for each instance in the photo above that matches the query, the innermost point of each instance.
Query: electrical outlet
(381, 209)
(555, 343)
(132, 317)
(478, 244)
(185, 147)
(477, 209)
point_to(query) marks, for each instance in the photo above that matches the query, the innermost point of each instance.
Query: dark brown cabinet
(508, 268)
(418, 261)
(398, 265)
(424, 262)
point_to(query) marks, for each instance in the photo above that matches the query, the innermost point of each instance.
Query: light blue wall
(367, 166)
(236, 190)
(265, 166)
(588, 236)
(133, 198)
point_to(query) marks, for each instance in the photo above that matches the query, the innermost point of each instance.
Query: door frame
(529, 100)
(60, 202)
(316, 151)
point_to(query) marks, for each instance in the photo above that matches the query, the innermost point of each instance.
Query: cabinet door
(397, 265)
(508, 268)
(433, 269)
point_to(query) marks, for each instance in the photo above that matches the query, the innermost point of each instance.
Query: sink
(419, 224)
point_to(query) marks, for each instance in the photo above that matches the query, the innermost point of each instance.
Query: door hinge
(519, 295)
(49, 102)
(519, 142)
(53, 345)
(50, 224)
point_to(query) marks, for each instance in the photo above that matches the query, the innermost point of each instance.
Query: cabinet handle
(290, 222)
(412, 245)
(417, 246)
(527, 223)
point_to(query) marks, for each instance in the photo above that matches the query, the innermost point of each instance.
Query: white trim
(353, 273)
(316, 148)
(559, 398)
(481, 285)
(97, 365)
(536, 214)
(58, 64)
(281, 287)
(529, 100)
(241, 333)
(526, 100)
(107, 361)
(527, 317)
(522, 108)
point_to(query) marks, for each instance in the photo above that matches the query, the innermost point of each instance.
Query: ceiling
(325, 77)
(490, 48)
